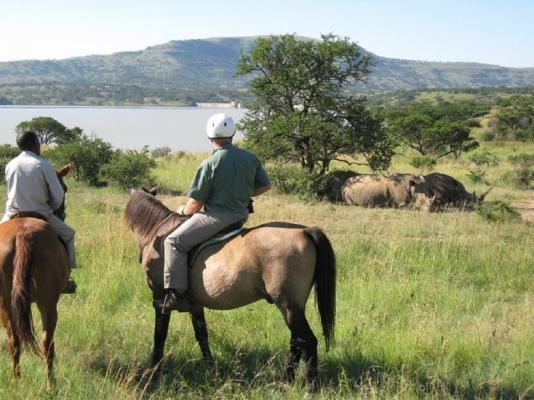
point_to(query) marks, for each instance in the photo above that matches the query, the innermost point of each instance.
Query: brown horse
(278, 262)
(33, 268)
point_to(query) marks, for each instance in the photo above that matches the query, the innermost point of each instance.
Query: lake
(125, 127)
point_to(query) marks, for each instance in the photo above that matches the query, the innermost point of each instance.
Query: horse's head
(63, 171)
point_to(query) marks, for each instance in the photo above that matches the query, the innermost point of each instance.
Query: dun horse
(33, 268)
(278, 262)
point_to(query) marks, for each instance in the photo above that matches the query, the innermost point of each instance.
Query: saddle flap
(224, 235)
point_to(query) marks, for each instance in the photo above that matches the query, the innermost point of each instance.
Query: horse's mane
(144, 213)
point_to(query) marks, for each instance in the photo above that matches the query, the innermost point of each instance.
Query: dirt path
(526, 208)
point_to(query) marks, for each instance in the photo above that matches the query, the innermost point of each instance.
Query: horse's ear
(64, 170)
(154, 191)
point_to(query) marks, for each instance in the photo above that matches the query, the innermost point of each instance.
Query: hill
(209, 64)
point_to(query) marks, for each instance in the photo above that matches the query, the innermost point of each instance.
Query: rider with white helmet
(218, 197)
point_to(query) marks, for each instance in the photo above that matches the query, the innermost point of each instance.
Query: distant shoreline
(115, 107)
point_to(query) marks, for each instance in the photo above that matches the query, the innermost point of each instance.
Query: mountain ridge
(210, 64)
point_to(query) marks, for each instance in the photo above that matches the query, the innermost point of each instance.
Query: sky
(485, 31)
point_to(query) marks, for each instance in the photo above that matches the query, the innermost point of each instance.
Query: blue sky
(487, 31)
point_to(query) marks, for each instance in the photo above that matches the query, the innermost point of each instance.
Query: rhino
(397, 190)
(451, 193)
(334, 181)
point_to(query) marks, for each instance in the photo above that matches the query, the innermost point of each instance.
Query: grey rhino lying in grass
(451, 193)
(397, 191)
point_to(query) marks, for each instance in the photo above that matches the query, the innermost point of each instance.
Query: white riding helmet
(220, 126)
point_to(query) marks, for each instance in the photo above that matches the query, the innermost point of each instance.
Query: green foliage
(130, 168)
(88, 156)
(424, 163)
(484, 158)
(47, 129)
(523, 174)
(487, 136)
(431, 131)
(497, 211)
(160, 152)
(7, 153)
(291, 179)
(304, 110)
(477, 176)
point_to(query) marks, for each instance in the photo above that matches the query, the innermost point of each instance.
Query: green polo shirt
(227, 179)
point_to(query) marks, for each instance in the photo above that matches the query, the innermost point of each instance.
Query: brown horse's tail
(325, 282)
(20, 293)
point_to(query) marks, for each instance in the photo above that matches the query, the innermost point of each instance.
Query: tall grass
(429, 305)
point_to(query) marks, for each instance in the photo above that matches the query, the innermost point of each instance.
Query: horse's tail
(325, 282)
(20, 293)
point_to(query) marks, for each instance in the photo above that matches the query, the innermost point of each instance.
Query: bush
(88, 156)
(484, 158)
(523, 174)
(130, 168)
(160, 152)
(487, 136)
(524, 135)
(7, 153)
(497, 211)
(477, 176)
(425, 163)
(295, 180)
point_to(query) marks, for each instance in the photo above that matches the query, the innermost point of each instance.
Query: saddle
(224, 235)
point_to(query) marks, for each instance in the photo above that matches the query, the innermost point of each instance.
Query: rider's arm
(262, 183)
(192, 206)
(261, 190)
(55, 190)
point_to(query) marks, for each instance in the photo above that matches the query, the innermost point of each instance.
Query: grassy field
(428, 306)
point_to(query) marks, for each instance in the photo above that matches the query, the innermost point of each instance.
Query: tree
(435, 136)
(305, 110)
(88, 155)
(130, 168)
(49, 130)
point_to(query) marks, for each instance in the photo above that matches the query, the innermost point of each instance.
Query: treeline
(94, 160)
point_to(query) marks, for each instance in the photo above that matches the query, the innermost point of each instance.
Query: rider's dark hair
(26, 140)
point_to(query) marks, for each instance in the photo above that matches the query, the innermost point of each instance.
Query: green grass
(429, 306)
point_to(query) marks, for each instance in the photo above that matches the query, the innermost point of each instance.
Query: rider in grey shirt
(33, 186)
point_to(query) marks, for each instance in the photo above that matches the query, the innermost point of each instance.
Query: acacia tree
(432, 136)
(50, 130)
(305, 108)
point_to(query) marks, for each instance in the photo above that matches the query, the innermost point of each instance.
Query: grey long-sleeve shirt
(32, 185)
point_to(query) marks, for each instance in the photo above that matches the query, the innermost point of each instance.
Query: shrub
(484, 158)
(487, 136)
(477, 176)
(474, 123)
(130, 168)
(88, 155)
(523, 174)
(7, 153)
(497, 211)
(295, 180)
(160, 152)
(425, 163)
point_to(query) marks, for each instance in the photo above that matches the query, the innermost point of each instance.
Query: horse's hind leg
(303, 343)
(13, 343)
(49, 317)
(201, 332)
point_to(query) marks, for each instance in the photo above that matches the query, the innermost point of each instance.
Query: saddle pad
(193, 254)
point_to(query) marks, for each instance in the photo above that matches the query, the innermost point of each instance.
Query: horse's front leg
(161, 328)
(201, 332)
